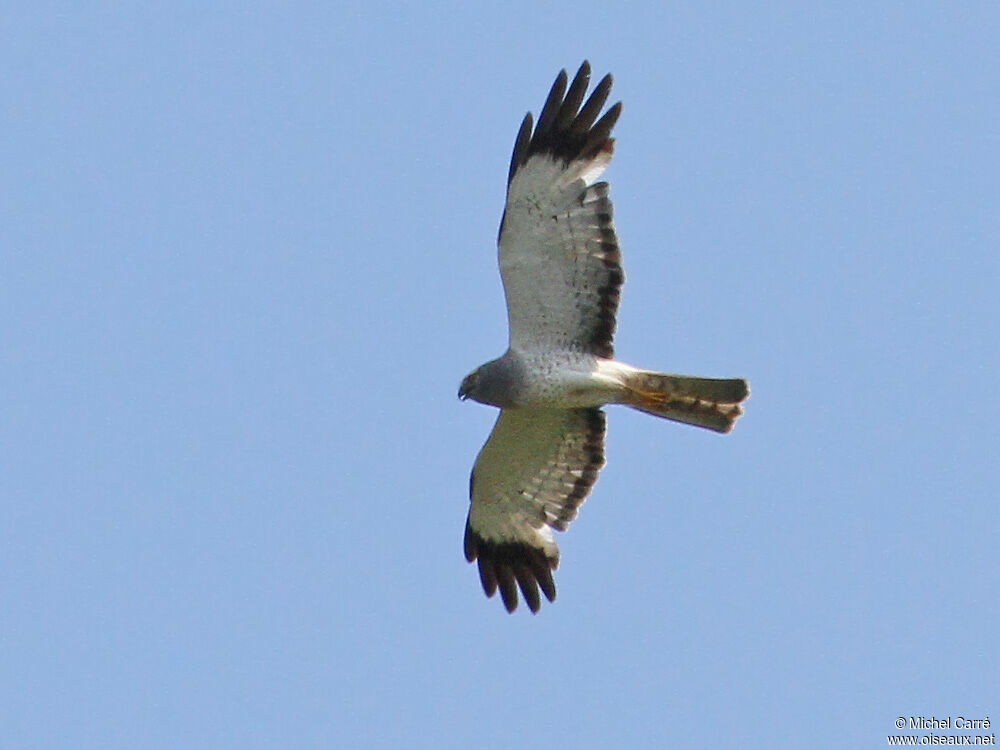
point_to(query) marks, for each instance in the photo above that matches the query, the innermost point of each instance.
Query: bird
(561, 268)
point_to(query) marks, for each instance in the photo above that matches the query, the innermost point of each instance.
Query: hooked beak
(467, 385)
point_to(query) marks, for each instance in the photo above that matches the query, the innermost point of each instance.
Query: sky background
(247, 255)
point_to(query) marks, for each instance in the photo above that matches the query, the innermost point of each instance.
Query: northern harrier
(562, 276)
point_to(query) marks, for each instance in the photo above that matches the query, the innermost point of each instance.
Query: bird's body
(562, 379)
(561, 268)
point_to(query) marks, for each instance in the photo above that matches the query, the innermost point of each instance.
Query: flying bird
(562, 276)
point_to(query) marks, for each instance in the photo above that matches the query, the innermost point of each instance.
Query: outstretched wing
(559, 255)
(534, 472)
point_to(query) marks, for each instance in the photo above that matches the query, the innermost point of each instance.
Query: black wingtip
(528, 585)
(508, 567)
(507, 585)
(574, 97)
(521, 145)
(553, 103)
(564, 128)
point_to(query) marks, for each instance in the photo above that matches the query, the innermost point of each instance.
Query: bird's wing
(559, 255)
(534, 472)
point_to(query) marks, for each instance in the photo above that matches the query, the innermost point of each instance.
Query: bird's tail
(704, 402)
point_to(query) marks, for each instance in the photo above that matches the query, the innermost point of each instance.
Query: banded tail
(704, 402)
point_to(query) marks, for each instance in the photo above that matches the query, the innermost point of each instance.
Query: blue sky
(247, 254)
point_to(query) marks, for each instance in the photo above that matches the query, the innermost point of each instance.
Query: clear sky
(247, 254)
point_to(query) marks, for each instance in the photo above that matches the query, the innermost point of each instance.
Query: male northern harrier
(562, 275)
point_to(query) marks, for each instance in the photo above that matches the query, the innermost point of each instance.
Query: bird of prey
(562, 277)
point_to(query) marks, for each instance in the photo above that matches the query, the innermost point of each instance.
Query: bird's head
(469, 385)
